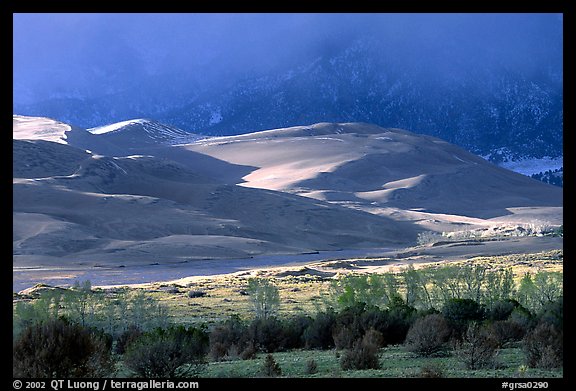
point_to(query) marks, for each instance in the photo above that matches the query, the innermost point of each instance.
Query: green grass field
(395, 363)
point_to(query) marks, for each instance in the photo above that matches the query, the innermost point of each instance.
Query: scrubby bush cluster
(364, 352)
(544, 346)
(171, 352)
(61, 349)
(478, 348)
(428, 335)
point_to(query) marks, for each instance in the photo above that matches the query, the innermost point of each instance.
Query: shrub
(393, 323)
(311, 367)
(249, 352)
(400, 317)
(501, 309)
(60, 349)
(127, 338)
(195, 294)
(345, 336)
(431, 371)
(267, 334)
(271, 368)
(318, 335)
(543, 347)
(230, 335)
(220, 351)
(478, 348)
(522, 317)
(459, 312)
(364, 354)
(349, 326)
(553, 313)
(172, 352)
(506, 331)
(428, 335)
(294, 331)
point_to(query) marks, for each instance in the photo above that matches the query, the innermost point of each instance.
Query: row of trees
(113, 314)
(431, 287)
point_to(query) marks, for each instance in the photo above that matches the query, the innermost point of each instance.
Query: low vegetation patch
(442, 321)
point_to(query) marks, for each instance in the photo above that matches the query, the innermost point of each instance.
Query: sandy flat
(326, 264)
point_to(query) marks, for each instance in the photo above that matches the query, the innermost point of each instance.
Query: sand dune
(140, 133)
(47, 129)
(139, 198)
(141, 209)
(385, 171)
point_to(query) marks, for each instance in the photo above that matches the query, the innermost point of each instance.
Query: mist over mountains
(491, 83)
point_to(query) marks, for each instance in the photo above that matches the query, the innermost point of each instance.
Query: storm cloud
(89, 55)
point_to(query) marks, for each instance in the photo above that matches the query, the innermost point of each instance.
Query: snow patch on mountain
(532, 166)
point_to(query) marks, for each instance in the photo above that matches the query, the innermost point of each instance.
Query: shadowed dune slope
(75, 207)
(368, 167)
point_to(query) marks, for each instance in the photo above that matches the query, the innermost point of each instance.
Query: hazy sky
(95, 54)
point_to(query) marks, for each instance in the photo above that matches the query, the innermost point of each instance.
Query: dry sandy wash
(133, 195)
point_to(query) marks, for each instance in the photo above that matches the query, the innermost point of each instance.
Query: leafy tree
(473, 279)
(39, 310)
(527, 291)
(78, 300)
(548, 287)
(445, 284)
(264, 297)
(499, 285)
(417, 292)
(544, 287)
(372, 290)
